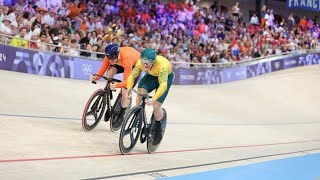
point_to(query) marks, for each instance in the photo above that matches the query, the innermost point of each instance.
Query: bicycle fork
(136, 123)
(145, 129)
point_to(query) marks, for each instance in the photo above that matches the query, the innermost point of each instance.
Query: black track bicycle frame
(142, 113)
(107, 91)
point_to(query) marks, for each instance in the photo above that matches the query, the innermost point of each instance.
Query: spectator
(12, 16)
(303, 23)
(73, 28)
(94, 49)
(254, 20)
(56, 42)
(223, 58)
(86, 53)
(263, 14)
(73, 46)
(73, 10)
(235, 12)
(14, 28)
(18, 40)
(33, 44)
(64, 44)
(194, 62)
(63, 11)
(20, 5)
(25, 18)
(256, 53)
(101, 52)
(42, 42)
(49, 18)
(5, 27)
(29, 10)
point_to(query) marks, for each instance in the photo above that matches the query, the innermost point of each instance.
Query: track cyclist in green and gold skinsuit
(158, 76)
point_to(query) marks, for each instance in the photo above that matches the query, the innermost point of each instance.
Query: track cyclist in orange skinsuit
(118, 60)
(158, 76)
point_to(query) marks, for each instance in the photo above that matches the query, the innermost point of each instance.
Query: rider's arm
(103, 68)
(163, 79)
(134, 74)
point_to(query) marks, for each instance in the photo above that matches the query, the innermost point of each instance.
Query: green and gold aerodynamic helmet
(148, 55)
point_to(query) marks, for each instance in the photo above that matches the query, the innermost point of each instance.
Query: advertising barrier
(311, 5)
(47, 64)
(58, 65)
(216, 75)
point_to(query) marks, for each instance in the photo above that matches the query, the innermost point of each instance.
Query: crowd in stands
(182, 32)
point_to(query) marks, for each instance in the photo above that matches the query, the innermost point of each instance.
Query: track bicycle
(99, 104)
(136, 126)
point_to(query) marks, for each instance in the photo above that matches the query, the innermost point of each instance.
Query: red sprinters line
(160, 152)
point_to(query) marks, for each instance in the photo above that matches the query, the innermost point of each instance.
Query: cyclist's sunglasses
(146, 62)
(112, 57)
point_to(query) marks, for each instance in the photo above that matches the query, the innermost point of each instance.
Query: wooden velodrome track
(209, 127)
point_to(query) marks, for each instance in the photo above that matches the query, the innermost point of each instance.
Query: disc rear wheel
(93, 110)
(153, 147)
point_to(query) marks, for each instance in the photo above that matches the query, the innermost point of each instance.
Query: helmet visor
(112, 57)
(146, 61)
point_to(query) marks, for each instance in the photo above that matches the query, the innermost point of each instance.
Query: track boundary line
(204, 164)
(160, 152)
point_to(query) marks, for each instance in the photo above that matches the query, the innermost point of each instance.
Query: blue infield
(297, 168)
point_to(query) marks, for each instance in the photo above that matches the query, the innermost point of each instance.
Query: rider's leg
(157, 111)
(110, 74)
(147, 84)
(124, 104)
(124, 99)
(158, 116)
(139, 98)
(113, 70)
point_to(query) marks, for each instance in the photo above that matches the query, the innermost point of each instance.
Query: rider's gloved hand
(92, 78)
(113, 86)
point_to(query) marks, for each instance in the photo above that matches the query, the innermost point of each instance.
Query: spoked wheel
(130, 131)
(93, 110)
(115, 121)
(153, 147)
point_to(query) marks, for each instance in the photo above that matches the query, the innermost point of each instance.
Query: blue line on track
(39, 117)
(296, 168)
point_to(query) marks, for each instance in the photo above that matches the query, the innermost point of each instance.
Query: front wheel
(130, 131)
(93, 110)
